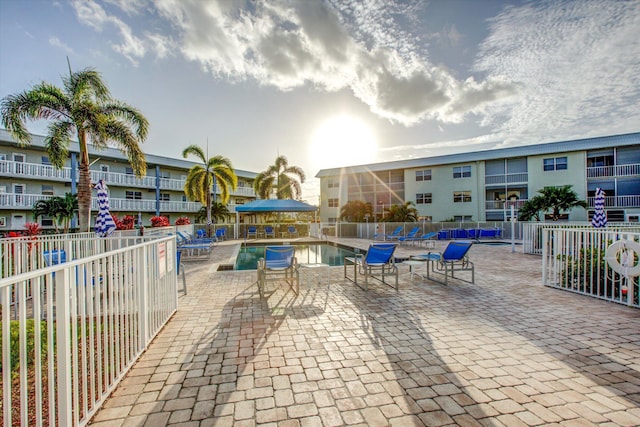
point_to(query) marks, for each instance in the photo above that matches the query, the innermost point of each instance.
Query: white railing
(504, 204)
(172, 184)
(116, 205)
(123, 179)
(573, 259)
(11, 168)
(611, 171)
(71, 331)
(509, 178)
(20, 201)
(617, 201)
(180, 206)
(532, 232)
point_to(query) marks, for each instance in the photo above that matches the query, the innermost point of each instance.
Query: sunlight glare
(342, 141)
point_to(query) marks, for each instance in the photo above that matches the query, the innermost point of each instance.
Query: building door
(19, 159)
(18, 190)
(18, 221)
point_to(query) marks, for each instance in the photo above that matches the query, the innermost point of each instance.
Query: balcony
(504, 204)
(34, 170)
(632, 201)
(509, 178)
(613, 171)
(20, 201)
(123, 179)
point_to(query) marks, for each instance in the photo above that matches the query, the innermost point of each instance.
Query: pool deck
(505, 351)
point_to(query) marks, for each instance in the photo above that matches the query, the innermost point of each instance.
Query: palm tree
(532, 209)
(67, 207)
(283, 178)
(217, 212)
(401, 213)
(84, 108)
(558, 199)
(215, 170)
(356, 211)
(47, 207)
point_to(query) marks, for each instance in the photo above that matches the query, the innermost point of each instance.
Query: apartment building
(484, 185)
(26, 176)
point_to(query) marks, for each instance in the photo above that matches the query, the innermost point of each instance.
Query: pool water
(305, 254)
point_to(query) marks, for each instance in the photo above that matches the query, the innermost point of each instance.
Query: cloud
(327, 45)
(54, 41)
(576, 65)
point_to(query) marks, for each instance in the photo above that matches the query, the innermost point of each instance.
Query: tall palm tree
(82, 107)
(282, 178)
(356, 211)
(401, 213)
(559, 199)
(216, 170)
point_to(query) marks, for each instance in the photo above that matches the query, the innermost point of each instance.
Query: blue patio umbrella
(104, 222)
(599, 219)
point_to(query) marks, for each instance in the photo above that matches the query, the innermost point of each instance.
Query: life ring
(622, 263)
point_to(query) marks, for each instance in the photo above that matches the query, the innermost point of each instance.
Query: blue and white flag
(104, 222)
(600, 215)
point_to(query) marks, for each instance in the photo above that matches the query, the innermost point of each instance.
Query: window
(3, 221)
(47, 190)
(104, 168)
(462, 218)
(128, 170)
(133, 195)
(423, 198)
(333, 203)
(332, 183)
(423, 175)
(461, 196)
(555, 163)
(45, 160)
(3, 156)
(462, 172)
(164, 197)
(46, 221)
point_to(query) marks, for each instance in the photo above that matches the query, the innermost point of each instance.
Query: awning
(275, 205)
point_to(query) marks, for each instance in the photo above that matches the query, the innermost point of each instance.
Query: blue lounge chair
(377, 264)
(292, 231)
(268, 231)
(192, 248)
(453, 258)
(428, 239)
(395, 234)
(252, 231)
(279, 263)
(410, 237)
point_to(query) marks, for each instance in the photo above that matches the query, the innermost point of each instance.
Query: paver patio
(505, 351)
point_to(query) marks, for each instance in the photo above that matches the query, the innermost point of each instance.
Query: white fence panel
(573, 259)
(72, 330)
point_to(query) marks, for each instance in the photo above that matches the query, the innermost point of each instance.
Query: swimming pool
(306, 254)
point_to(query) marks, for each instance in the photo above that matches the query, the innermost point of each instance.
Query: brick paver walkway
(505, 351)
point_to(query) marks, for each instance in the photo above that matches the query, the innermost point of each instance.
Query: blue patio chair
(453, 258)
(377, 264)
(194, 248)
(428, 239)
(220, 234)
(395, 234)
(279, 263)
(268, 231)
(292, 231)
(411, 236)
(252, 231)
(201, 233)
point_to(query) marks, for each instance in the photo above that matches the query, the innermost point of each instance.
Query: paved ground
(505, 351)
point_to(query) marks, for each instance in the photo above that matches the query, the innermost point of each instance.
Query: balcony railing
(504, 204)
(613, 171)
(124, 179)
(617, 201)
(180, 206)
(509, 178)
(20, 201)
(33, 170)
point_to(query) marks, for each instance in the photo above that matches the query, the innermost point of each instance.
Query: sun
(342, 141)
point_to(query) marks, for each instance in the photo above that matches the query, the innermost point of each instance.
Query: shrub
(159, 221)
(31, 229)
(126, 223)
(183, 220)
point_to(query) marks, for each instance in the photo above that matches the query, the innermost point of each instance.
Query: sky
(340, 82)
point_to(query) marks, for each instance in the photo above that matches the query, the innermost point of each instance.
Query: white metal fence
(532, 232)
(573, 259)
(72, 329)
